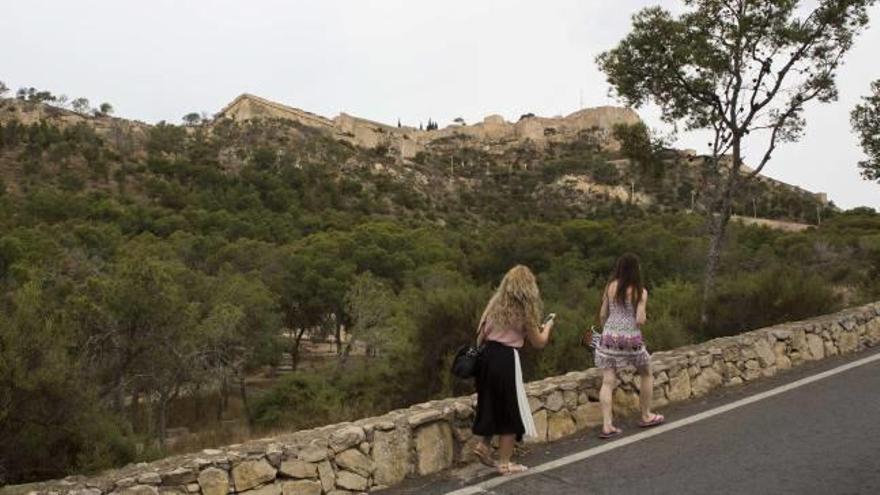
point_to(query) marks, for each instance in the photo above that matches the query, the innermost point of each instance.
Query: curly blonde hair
(517, 301)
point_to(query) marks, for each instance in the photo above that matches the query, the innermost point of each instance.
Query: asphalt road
(820, 438)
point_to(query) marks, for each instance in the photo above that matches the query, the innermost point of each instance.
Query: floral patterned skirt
(619, 349)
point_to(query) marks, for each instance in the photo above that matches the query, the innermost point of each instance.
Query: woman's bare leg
(505, 448)
(646, 393)
(609, 381)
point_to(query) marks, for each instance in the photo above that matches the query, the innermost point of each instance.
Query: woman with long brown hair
(512, 316)
(622, 314)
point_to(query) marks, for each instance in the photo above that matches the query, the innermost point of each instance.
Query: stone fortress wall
(408, 140)
(493, 130)
(249, 107)
(369, 454)
(106, 126)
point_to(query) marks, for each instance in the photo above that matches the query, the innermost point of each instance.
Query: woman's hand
(540, 335)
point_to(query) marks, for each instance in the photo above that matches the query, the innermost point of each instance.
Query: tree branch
(796, 56)
(795, 106)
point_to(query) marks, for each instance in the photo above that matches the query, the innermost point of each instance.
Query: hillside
(548, 167)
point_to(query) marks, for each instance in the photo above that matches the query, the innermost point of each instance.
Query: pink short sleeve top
(511, 336)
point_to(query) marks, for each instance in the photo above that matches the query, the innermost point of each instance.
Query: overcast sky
(379, 59)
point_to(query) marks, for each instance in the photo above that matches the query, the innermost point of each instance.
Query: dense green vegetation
(141, 273)
(865, 120)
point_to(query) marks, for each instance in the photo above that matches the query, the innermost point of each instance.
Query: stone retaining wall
(373, 453)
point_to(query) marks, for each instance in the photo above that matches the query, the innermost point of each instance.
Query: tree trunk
(719, 217)
(119, 394)
(242, 390)
(294, 350)
(224, 398)
(197, 402)
(135, 404)
(149, 414)
(221, 398)
(716, 243)
(343, 357)
(162, 420)
(338, 332)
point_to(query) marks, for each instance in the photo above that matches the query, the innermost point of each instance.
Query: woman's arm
(481, 332)
(538, 336)
(603, 308)
(642, 310)
(481, 326)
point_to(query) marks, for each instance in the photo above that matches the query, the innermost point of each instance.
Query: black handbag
(464, 365)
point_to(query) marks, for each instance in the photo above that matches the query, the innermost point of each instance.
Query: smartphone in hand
(549, 318)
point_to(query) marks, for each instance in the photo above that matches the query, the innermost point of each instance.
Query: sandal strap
(509, 468)
(485, 456)
(654, 419)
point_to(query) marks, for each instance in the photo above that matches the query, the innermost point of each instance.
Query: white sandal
(510, 468)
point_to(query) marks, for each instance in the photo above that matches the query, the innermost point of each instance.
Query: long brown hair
(516, 301)
(628, 274)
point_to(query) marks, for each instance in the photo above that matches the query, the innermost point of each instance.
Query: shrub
(298, 400)
(673, 316)
(746, 301)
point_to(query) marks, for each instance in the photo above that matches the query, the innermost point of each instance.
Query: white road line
(585, 454)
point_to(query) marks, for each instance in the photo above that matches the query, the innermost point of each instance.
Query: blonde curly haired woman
(512, 316)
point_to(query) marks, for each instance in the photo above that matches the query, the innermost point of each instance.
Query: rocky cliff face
(408, 141)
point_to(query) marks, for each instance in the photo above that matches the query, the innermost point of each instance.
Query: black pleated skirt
(498, 410)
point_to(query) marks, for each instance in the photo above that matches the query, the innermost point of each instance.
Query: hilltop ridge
(408, 141)
(576, 158)
(494, 134)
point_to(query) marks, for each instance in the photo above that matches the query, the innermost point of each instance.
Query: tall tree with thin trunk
(865, 119)
(742, 69)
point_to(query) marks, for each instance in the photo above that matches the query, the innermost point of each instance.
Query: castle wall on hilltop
(249, 107)
(493, 132)
(408, 141)
(122, 133)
